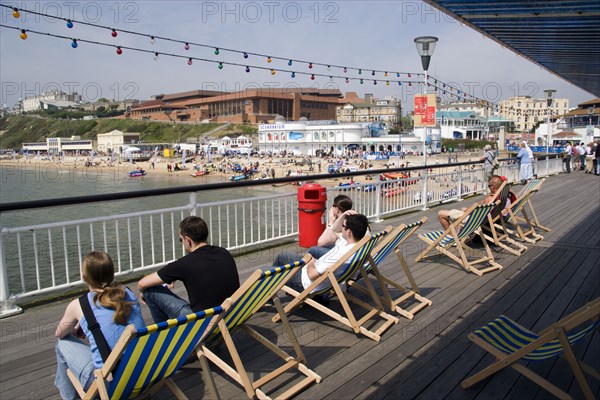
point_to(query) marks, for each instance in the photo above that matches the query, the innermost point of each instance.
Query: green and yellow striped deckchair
(457, 233)
(391, 243)
(535, 185)
(347, 267)
(499, 234)
(143, 360)
(523, 198)
(259, 288)
(509, 342)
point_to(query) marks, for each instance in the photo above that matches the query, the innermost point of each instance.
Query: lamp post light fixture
(425, 47)
(549, 101)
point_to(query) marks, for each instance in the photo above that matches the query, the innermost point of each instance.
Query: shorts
(453, 215)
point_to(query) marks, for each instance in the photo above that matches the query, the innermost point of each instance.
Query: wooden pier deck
(425, 358)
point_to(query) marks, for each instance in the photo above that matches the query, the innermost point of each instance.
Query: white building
(57, 145)
(49, 100)
(116, 141)
(314, 138)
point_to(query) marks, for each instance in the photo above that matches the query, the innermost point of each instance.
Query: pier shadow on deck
(424, 358)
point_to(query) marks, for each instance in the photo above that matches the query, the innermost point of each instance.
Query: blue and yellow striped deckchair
(346, 268)
(143, 360)
(391, 243)
(457, 233)
(499, 233)
(509, 342)
(523, 198)
(259, 288)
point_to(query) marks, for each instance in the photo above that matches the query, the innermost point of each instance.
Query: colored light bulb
(152, 40)
(245, 55)
(345, 69)
(155, 56)
(186, 46)
(374, 82)
(293, 74)
(269, 60)
(397, 74)
(361, 81)
(347, 80)
(387, 83)
(409, 75)
(74, 43)
(220, 65)
(385, 74)
(373, 73)
(290, 63)
(190, 62)
(217, 51)
(23, 35)
(329, 68)
(16, 13)
(69, 24)
(272, 72)
(312, 77)
(114, 33)
(360, 71)
(119, 51)
(399, 83)
(247, 69)
(310, 65)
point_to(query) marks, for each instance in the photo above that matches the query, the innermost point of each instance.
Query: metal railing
(46, 257)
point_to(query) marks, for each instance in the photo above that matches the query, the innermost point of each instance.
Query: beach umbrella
(130, 150)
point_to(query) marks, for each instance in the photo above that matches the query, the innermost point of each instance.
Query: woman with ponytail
(114, 307)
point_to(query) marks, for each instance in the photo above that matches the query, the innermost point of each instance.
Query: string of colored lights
(217, 49)
(70, 24)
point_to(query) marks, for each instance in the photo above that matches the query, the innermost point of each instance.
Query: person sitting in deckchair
(354, 227)
(447, 217)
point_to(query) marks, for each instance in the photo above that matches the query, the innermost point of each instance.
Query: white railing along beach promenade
(46, 258)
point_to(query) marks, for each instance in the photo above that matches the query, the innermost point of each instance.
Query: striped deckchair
(457, 233)
(496, 227)
(509, 342)
(527, 233)
(391, 243)
(259, 288)
(534, 184)
(143, 360)
(346, 268)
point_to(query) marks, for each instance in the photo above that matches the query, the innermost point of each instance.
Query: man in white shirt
(567, 157)
(354, 227)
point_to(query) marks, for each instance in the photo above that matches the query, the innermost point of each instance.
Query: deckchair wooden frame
(556, 332)
(534, 184)
(457, 233)
(528, 235)
(111, 366)
(499, 233)
(348, 319)
(235, 318)
(392, 241)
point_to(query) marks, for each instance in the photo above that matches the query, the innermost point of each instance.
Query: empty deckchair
(498, 233)
(457, 233)
(391, 243)
(250, 297)
(143, 360)
(347, 267)
(509, 342)
(534, 184)
(527, 233)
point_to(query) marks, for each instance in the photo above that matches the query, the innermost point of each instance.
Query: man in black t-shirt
(208, 273)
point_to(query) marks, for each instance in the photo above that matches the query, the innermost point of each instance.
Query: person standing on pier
(488, 162)
(208, 272)
(112, 305)
(524, 163)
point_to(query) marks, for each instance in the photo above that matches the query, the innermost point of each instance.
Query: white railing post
(425, 176)
(193, 203)
(378, 198)
(7, 302)
(459, 182)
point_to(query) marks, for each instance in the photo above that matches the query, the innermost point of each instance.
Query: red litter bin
(312, 204)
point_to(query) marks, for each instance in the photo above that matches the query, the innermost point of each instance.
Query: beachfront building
(249, 106)
(51, 100)
(123, 105)
(115, 141)
(461, 125)
(526, 111)
(56, 145)
(369, 109)
(581, 124)
(316, 138)
(469, 106)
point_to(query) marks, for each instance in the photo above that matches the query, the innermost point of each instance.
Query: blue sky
(370, 34)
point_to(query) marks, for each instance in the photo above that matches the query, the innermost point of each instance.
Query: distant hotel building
(526, 111)
(51, 100)
(369, 109)
(249, 106)
(56, 145)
